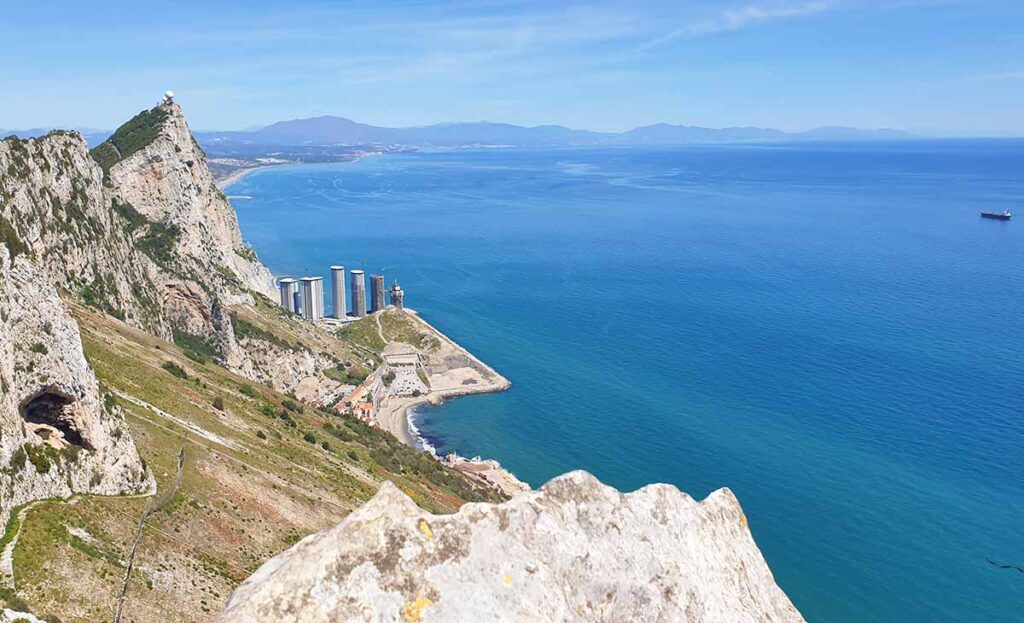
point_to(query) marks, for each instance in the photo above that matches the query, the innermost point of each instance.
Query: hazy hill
(331, 130)
(338, 130)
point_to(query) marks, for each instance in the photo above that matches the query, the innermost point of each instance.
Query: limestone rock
(169, 182)
(54, 204)
(281, 368)
(57, 435)
(575, 550)
(138, 229)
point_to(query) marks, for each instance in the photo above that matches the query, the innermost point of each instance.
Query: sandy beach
(394, 418)
(462, 381)
(237, 175)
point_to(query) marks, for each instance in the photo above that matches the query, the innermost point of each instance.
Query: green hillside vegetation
(400, 327)
(10, 238)
(138, 133)
(363, 332)
(272, 324)
(261, 471)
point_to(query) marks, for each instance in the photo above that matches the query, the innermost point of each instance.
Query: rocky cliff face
(138, 229)
(158, 173)
(57, 434)
(575, 550)
(168, 181)
(54, 207)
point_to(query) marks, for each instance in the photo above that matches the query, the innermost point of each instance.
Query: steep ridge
(158, 176)
(167, 180)
(140, 231)
(575, 550)
(58, 434)
(54, 208)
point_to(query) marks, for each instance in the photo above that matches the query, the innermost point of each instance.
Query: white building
(287, 286)
(312, 289)
(358, 288)
(338, 291)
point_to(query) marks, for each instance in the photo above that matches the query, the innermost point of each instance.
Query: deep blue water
(829, 330)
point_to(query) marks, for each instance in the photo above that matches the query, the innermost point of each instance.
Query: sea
(830, 330)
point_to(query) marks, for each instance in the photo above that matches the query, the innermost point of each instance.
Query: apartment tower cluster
(305, 297)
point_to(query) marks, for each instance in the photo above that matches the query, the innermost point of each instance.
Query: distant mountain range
(330, 130)
(339, 130)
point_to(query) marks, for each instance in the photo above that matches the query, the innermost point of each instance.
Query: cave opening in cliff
(55, 409)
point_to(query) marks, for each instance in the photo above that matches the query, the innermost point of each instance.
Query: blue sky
(928, 66)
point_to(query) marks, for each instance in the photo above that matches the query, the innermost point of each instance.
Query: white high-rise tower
(312, 298)
(287, 286)
(338, 291)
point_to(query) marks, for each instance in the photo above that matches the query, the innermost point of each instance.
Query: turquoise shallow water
(830, 330)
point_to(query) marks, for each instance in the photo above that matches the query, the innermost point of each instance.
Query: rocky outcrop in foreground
(575, 550)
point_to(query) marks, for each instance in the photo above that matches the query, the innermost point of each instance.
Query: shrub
(261, 434)
(17, 461)
(137, 133)
(247, 390)
(218, 403)
(158, 243)
(310, 437)
(247, 330)
(325, 445)
(175, 369)
(196, 347)
(340, 432)
(291, 405)
(10, 238)
(129, 213)
(71, 452)
(351, 375)
(12, 601)
(196, 357)
(42, 457)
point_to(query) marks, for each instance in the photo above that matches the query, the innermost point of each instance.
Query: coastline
(223, 184)
(395, 416)
(235, 176)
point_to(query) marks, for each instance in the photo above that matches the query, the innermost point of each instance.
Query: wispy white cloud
(1003, 75)
(740, 17)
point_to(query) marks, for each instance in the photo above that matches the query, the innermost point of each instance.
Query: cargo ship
(999, 216)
